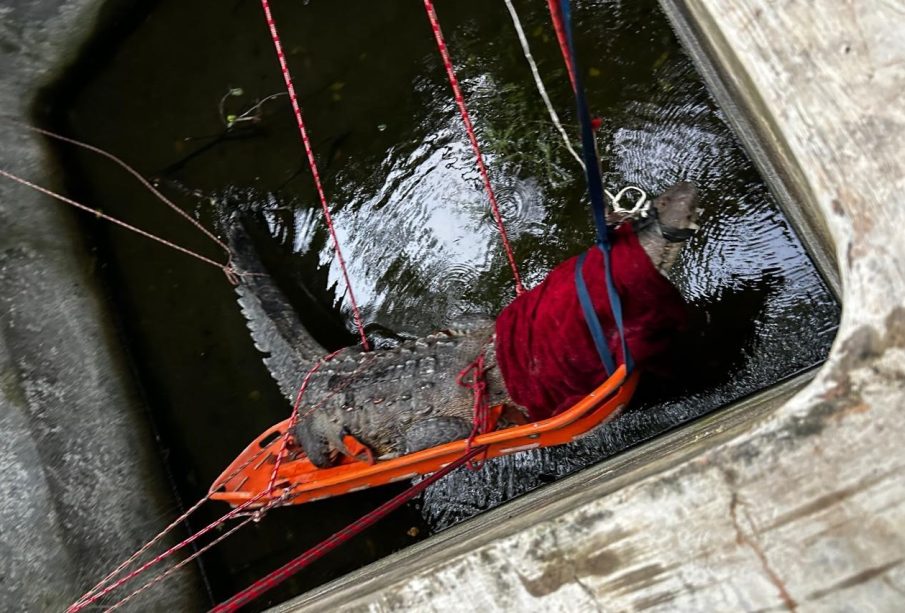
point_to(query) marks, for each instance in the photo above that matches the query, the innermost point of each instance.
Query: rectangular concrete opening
(219, 343)
(752, 124)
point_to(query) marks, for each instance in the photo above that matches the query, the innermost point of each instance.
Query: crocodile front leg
(317, 440)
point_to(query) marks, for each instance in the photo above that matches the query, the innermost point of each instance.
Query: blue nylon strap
(616, 307)
(590, 317)
(598, 208)
(588, 142)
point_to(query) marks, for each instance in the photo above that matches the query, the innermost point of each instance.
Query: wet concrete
(81, 486)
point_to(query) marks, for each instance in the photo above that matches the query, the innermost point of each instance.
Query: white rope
(540, 84)
(642, 204)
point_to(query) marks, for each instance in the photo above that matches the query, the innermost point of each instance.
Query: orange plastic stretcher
(299, 481)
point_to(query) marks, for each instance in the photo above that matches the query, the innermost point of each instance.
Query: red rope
(466, 119)
(287, 77)
(81, 601)
(559, 28)
(294, 417)
(88, 600)
(230, 272)
(182, 563)
(283, 573)
(472, 377)
(136, 555)
(144, 182)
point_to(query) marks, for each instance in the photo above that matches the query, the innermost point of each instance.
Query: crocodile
(404, 398)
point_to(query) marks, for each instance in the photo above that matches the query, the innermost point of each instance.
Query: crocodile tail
(273, 323)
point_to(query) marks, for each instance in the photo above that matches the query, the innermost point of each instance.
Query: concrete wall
(794, 501)
(80, 484)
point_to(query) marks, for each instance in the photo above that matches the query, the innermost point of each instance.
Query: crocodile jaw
(677, 209)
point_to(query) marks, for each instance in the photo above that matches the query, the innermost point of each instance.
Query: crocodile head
(672, 220)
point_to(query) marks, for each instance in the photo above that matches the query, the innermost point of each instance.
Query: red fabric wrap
(543, 347)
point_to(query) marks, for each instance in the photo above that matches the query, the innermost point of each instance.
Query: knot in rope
(473, 377)
(640, 207)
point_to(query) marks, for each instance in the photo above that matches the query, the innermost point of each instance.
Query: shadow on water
(413, 223)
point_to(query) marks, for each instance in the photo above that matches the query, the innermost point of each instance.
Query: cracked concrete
(750, 540)
(792, 500)
(80, 484)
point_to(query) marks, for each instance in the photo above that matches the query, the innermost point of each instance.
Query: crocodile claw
(323, 444)
(314, 442)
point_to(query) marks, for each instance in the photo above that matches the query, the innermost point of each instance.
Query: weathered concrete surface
(797, 504)
(80, 486)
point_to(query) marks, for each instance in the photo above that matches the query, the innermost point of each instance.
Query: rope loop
(640, 207)
(473, 377)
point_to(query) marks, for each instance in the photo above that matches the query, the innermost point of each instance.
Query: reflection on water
(413, 221)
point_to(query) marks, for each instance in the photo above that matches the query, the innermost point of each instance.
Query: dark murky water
(412, 219)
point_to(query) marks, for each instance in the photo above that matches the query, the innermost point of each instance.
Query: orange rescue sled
(299, 481)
